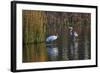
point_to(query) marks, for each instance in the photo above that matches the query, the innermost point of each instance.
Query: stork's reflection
(52, 52)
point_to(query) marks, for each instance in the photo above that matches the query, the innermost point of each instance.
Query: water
(43, 52)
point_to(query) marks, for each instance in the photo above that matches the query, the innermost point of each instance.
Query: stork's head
(71, 28)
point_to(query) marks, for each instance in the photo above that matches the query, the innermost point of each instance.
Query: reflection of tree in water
(35, 52)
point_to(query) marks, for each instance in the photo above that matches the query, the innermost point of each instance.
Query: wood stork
(75, 33)
(51, 38)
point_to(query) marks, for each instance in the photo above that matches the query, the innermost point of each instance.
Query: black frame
(13, 34)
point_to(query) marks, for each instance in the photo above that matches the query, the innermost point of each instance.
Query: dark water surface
(42, 52)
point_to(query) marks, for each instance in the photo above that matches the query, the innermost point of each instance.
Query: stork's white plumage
(75, 34)
(51, 38)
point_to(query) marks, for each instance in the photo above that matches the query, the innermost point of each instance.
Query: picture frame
(27, 18)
